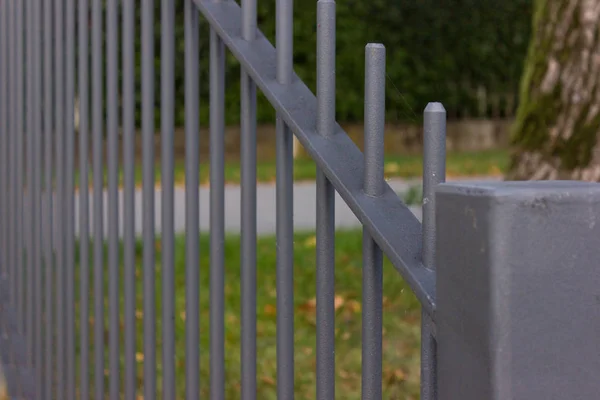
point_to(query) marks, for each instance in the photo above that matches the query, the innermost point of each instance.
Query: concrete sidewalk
(304, 208)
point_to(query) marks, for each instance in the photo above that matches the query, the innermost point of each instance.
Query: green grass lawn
(401, 320)
(491, 162)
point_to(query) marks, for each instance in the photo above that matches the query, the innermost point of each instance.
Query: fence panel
(41, 211)
(55, 345)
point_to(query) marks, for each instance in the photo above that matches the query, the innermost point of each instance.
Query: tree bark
(558, 121)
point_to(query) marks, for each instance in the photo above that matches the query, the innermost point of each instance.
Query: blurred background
(519, 81)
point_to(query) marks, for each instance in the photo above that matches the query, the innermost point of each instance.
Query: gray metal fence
(516, 314)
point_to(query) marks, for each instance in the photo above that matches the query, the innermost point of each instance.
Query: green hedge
(436, 51)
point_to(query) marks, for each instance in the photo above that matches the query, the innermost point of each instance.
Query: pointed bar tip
(435, 107)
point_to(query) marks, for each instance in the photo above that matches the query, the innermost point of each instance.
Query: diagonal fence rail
(70, 307)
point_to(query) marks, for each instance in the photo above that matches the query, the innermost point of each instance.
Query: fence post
(518, 290)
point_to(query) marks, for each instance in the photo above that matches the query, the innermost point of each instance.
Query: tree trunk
(558, 120)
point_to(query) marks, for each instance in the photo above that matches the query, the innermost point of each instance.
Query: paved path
(304, 208)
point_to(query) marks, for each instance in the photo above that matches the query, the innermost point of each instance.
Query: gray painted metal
(19, 132)
(28, 206)
(69, 203)
(37, 199)
(248, 214)
(372, 289)
(192, 209)
(517, 326)
(11, 168)
(59, 142)
(397, 231)
(3, 137)
(168, 278)
(112, 133)
(434, 172)
(325, 232)
(98, 182)
(84, 208)
(49, 204)
(3, 134)
(284, 211)
(148, 202)
(128, 57)
(518, 314)
(217, 217)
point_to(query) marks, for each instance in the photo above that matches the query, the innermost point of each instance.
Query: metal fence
(506, 252)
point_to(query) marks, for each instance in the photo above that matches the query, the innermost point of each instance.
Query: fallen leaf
(311, 241)
(231, 318)
(309, 306)
(270, 309)
(338, 301)
(353, 306)
(385, 301)
(495, 171)
(394, 375)
(391, 168)
(268, 380)
(139, 357)
(139, 314)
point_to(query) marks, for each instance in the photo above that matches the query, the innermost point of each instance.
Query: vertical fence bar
(217, 217)
(29, 219)
(112, 125)
(60, 198)
(3, 135)
(37, 195)
(434, 172)
(12, 153)
(17, 98)
(49, 206)
(167, 108)
(3, 101)
(84, 206)
(20, 168)
(9, 153)
(285, 210)
(69, 203)
(129, 194)
(148, 199)
(372, 287)
(192, 180)
(325, 231)
(98, 175)
(5, 139)
(6, 175)
(248, 214)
